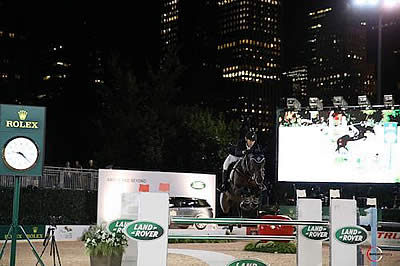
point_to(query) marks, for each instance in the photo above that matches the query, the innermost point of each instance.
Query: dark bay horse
(245, 186)
(343, 140)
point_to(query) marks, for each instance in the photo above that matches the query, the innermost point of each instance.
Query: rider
(353, 131)
(245, 145)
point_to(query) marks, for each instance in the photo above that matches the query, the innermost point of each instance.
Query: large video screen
(357, 146)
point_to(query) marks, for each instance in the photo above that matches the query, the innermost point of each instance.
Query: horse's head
(255, 165)
(370, 129)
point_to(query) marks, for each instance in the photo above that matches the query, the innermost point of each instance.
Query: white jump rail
(234, 237)
(244, 221)
(309, 252)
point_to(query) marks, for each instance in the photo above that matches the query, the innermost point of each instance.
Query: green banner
(32, 231)
(22, 132)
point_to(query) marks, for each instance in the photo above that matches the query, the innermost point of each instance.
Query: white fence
(58, 178)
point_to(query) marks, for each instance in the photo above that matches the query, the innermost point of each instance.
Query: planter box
(105, 260)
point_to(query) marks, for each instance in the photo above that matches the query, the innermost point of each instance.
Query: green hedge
(272, 247)
(37, 205)
(176, 241)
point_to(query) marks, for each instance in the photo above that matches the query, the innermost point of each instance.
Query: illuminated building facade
(14, 58)
(169, 26)
(337, 52)
(233, 50)
(298, 82)
(249, 57)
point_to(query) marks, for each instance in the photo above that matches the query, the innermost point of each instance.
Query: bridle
(246, 171)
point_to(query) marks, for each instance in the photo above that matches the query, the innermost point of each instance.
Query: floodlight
(388, 100)
(301, 193)
(338, 101)
(388, 4)
(334, 193)
(371, 202)
(315, 103)
(293, 103)
(363, 101)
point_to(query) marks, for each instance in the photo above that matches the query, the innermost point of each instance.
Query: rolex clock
(20, 153)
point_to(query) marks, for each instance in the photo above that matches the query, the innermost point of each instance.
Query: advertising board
(352, 145)
(114, 183)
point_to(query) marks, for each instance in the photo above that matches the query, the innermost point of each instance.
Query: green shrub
(37, 205)
(176, 241)
(272, 247)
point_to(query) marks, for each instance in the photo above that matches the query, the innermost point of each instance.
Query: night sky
(124, 25)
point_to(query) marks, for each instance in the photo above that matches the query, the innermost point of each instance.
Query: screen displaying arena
(352, 145)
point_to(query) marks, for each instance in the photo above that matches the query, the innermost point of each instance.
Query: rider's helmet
(251, 135)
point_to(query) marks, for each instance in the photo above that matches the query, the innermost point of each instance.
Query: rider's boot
(224, 185)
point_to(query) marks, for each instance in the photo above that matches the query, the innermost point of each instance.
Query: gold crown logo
(35, 229)
(22, 114)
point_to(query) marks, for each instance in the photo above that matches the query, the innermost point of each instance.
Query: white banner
(113, 183)
(68, 232)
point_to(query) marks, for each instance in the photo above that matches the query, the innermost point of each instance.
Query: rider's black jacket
(241, 149)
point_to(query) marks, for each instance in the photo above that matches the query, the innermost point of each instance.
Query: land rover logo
(353, 235)
(198, 185)
(144, 230)
(247, 263)
(117, 226)
(316, 232)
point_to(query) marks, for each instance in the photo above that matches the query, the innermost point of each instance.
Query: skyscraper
(233, 49)
(249, 57)
(390, 49)
(14, 57)
(337, 52)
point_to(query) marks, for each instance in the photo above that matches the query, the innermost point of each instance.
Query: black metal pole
(379, 56)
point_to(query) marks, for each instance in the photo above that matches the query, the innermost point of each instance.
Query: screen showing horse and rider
(352, 145)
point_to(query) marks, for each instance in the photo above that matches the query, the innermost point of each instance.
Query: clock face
(20, 153)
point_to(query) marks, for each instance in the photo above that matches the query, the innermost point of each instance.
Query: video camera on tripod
(54, 220)
(50, 237)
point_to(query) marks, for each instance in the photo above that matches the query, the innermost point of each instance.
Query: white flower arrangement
(99, 242)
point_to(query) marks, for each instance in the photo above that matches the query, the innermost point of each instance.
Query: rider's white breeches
(230, 159)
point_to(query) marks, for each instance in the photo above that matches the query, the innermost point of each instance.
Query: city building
(14, 57)
(249, 58)
(188, 29)
(336, 52)
(232, 50)
(298, 82)
(390, 49)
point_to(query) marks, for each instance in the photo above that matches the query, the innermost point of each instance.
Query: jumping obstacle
(148, 231)
(343, 214)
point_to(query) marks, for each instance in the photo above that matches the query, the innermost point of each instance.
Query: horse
(343, 140)
(246, 182)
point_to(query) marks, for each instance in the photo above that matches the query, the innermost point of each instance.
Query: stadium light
(339, 101)
(388, 100)
(315, 103)
(301, 193)
(363, 101)
(293, 103)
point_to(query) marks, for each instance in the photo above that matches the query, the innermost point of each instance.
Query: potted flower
(103, 247)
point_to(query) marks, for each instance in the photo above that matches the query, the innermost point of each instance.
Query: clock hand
(20, 153)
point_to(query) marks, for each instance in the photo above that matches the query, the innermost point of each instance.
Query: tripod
(53, 245)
